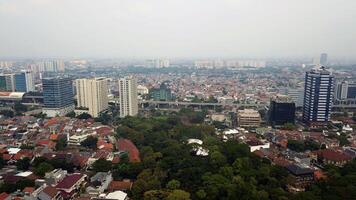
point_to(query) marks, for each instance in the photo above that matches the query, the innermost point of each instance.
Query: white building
(128, 96)
(92, 94)
(141, 89)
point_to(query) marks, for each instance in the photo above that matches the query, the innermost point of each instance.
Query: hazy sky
(177, 28)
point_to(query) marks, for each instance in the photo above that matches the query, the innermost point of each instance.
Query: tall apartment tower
(318, 96)
(92, 94)
(323, 59)
(58, 97)
(128, 97)
(24, 82)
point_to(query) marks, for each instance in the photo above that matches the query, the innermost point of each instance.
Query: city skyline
(143, 29)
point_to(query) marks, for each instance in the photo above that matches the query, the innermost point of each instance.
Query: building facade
(24, 82)
(92, 94)
(318, 96)
(163, 93)
(345, 94)
(248, 118)
(128, 96)
(281, 111)
(57, 96)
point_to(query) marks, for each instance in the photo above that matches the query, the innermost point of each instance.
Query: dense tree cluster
(90, 142)
(301, 146)
(171, 170)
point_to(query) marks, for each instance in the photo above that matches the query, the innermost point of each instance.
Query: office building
(24, 82)
(297, 96)
(92, 94)
(318, 95)
(157, 63)
(323, 59)
(58, 66)
(281, 111)
(57, 96)
(2, 82)
(10, 82)
(345, 94)
(163, 93)
(345, 90)
(248, 118)
(128, 97)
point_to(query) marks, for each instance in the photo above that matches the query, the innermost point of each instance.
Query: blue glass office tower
(58, 97)
(20, 82)
(24, 82)
(318, 96)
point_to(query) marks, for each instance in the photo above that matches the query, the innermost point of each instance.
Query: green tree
(2, 162)
(19, 108)
(173, 184)
(90, 142)
(71, 114)
(178, 195)
(84, 116)
(43, 168)
(61, 144)
(289, 126)
(23, 164)
(102, 165)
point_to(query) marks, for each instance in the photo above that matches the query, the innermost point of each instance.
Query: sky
(177, 28)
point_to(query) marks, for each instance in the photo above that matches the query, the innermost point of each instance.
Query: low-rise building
(248, 118)
(302, 176)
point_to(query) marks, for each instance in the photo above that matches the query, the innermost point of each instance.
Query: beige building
(128, 96)
(248, 118)
(92, 94)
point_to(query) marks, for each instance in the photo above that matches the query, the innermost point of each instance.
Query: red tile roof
(120, 185)
(28, 189)
(7, 156)
(102, 131)
(332, 155)
(22, 154)
(50, 191)
(127, 145)
(116, 160)
(69, 181)
(3, 196)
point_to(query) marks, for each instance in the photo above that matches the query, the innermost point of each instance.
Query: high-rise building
(2, 82)
(345, 90)
(318, 96)
(10, 82)
(58, 66)
(128, 96)
(92, 94)
(157, 63)
(163, 93)
(281, 111)
(24, 82)
(57, 96)
(323, 59)
(297, 95)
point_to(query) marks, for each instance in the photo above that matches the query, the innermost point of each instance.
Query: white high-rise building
(128, 96)
(92, 94)
(58, 65)
(10, 82)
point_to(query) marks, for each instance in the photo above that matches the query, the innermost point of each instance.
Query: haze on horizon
(177, 28)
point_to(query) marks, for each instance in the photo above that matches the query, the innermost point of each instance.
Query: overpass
(149, 104)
